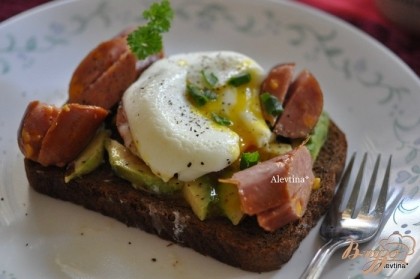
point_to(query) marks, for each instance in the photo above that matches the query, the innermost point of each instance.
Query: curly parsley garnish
(147, 39)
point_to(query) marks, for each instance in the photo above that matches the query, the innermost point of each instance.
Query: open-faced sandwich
(204, 149)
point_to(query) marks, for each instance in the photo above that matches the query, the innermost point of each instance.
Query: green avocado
(229, 202)
(318, 135)
(130, 167)
(274, 149)
(90, 158)
(210, 198)
(201, 195)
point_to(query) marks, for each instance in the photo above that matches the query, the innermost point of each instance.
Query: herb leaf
(271, 104)
(144, 42)
(249, 159)
(159, 15)
(147, 39)
(240, 79)
(200, 96)
(221, 120)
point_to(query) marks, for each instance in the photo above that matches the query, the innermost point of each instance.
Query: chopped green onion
(210, 94)
(240, 79)
(200, 96)
(221, 120)
(271, 104)
(249, 159)
(210, 79)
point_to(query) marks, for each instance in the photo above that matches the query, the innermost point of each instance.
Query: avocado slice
(90, 158)
(274, 149)
(201, 195)
(229, 202)
(130, 167)
(318, 135)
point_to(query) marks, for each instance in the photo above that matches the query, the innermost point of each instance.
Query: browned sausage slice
(73, 129)
(302, 107)
(277, 83)
(278, 80)
(277, 190)
(124, 129)
(104, 74)
(35, 123)
(55, 136)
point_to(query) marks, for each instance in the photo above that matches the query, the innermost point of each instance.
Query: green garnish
(240, 79)
(221, 120)
(147, 39)
(210, 79)
(249, 159)
(271, 104)
(200, 96)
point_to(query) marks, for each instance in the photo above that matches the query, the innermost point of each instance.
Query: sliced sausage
(35, 123)
(74, 128)
(277, 83)
(124, 129)
(275, 218)
(277, 190)
(278, 80)
(106, 72)
(302, 107)
(55, 136)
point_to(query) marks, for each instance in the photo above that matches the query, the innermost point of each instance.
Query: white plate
(369, 92)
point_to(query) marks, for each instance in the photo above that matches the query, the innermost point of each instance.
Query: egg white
(172, 136)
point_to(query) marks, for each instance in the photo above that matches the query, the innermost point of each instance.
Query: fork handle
(315, 268)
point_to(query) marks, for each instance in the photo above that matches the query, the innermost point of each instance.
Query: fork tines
(373, 184)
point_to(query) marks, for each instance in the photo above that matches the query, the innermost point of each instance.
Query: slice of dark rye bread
(246, 245)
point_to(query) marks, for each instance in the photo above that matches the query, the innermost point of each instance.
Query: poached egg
(177, 138)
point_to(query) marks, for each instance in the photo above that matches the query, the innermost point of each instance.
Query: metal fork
(339, 228)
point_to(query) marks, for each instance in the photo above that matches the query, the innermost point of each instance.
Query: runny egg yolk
(240, 106)
(174, 127)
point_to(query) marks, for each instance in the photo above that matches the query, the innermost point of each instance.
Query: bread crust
(246, 245)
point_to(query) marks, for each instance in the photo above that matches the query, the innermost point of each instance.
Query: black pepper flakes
(154, 260)
(189, 164)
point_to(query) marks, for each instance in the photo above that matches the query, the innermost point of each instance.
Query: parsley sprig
(147, 39)
(200, 96)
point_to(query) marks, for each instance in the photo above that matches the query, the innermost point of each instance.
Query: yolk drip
(240, 105)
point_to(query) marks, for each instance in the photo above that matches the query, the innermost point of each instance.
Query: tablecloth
(361, 13)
